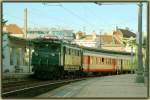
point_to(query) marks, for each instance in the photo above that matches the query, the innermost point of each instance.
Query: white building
(86, 40)
(15, 53)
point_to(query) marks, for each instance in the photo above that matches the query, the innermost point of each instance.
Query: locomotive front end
(46, 60)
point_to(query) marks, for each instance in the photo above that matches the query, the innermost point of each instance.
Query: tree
(4, 22)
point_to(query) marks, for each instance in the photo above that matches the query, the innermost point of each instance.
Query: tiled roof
(13, 29)
(104, 39)
(126, 33)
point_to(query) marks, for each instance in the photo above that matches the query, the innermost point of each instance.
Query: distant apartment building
(98, 41)
(51, 32)
(63, 34)
(126, 37)
(120, 40)
(86, 40)
(36, 32)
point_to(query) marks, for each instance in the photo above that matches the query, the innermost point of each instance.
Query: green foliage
(4, 22)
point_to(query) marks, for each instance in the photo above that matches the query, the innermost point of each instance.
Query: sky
(86, 17)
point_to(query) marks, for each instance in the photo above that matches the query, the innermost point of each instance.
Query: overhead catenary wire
(75, 15)
(50, 18)
(79, 17)
(22, 20)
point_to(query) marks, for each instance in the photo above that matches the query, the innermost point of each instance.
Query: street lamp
(140, 76)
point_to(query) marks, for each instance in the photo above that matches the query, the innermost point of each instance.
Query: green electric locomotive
(54, 59)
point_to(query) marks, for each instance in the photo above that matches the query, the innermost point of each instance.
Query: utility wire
(79, 17)
(76, 15)
(54, 18)
(22, 20)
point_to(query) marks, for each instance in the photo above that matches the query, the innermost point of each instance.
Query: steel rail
(27, 88)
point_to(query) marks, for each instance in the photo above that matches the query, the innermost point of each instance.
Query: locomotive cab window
(69, 51)
(53, 47)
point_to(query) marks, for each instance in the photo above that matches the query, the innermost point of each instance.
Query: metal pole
(140, 76)
(132, 70)
(25, 34)
(100, 39)
(29, 58)
(25, 23)
(100, 44)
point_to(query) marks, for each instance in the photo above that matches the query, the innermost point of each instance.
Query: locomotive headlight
(36, 54)
(52, 54)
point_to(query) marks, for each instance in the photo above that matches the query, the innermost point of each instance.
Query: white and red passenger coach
(104, 61)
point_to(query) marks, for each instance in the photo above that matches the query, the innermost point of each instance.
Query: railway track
(33, 88)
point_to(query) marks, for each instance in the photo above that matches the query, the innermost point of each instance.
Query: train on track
(55, 59)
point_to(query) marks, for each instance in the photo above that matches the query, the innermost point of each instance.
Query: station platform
(13, 77)
(116, 86)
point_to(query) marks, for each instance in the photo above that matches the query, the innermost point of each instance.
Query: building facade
(98, 41)
(16, 53)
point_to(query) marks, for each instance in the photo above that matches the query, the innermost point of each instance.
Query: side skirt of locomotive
(55, 72)
(48, 72)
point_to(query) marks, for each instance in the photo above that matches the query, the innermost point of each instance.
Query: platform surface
(115, 86)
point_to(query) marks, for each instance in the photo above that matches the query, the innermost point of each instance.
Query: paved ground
(108, 86)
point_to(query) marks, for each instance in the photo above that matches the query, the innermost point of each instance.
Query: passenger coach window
(102, 59)
(109, 61)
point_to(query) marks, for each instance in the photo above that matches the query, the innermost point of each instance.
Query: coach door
(88, 63)
(114, 63)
